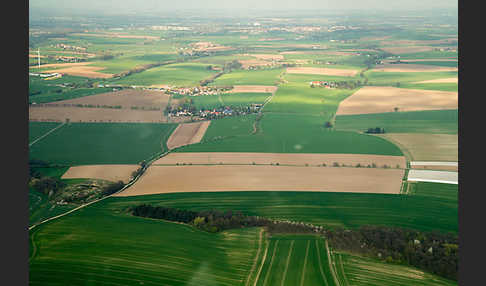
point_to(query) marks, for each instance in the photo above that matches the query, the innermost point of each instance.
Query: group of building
(320, 83)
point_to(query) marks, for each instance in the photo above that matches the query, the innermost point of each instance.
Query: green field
(102, 143)
(117, 248)
(124, 63)
(434, 122)
(245, 77)
(296, 260)
(391, 78)
(356, 270)
(40, 208)
(432, 86)
(287, 133)
(182, 74)
(229, 99)
(436, 190)
(37, 129)
(229, 127)
(321, 208)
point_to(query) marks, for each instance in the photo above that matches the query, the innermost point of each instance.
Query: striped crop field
(295, 260)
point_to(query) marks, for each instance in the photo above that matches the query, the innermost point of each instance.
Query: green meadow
(433, 121)
(245, 77)
(229, 99)
(436, 190)
(391, 78)
(37, 129)
(102, 143)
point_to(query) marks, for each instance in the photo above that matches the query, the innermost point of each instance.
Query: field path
(47, 133)
(305, 264)
(331, 268)
(271, 263)
(320, 263)
(256, 257)
(287, 263)
(261, 265)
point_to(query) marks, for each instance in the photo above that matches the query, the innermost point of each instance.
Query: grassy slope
(322, 208)
(117, 248)
(364, 271)
(244, 77)
(37, 129)
(102, 143)
(436, 190)
(436, 121)
(183, 74)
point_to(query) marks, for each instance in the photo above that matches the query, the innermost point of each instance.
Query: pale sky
(123, 6)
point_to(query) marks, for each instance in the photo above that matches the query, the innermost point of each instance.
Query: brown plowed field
(427, 147)
(322, 71)
(170, 179)
(112, 173)
(76, 69)
(87, 114)
(187, 133)
(126, 98)
(411, 68)
(281, 158)
(254, 88)
(440, 80)
(378, 99)
(407, 49)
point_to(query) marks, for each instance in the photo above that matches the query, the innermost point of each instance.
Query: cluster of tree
(112, 188)
(348, 84)
(141, 68)
(210, 79)
(215, 221)
(376, 130)
(48, 185)
(431, 251)
(233, 65)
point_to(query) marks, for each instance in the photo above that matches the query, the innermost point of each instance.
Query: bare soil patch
(440, 80)
(87, 114)
(408, 49)
(126, 98)
(433, 176)
(76, 69)
(378, 99)
(112, 173)
(411, 68)
(187, 133)
(254, 88)
(215, 158)
(170, 179)
(322, 71)
(427, 147)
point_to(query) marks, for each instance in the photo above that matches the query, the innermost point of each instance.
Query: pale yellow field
(281, 158)
(427, 147)
(112, 173)
(254, 88)
(378, 99)
(187, 133)
(411, 68)
(440, 80)
(322, 71)
(171, 179)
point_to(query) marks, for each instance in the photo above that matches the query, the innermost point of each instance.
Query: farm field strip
(187, 133)
(112, 173)
(301, 159)
(440, 80)
(254, 88)
(322, 71)
(446, 177)
(444, 166)
(93, 114)
(295, 260)
(170, 179)
(412, 68)
(425, 146)
(375, 99)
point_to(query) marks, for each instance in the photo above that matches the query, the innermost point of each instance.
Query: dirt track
(378, 99)
(187, 133)
(322, 71)
(112, 173)
(170, 179)
(281, 158)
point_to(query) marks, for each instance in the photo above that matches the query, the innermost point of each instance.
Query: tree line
(431, 251)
